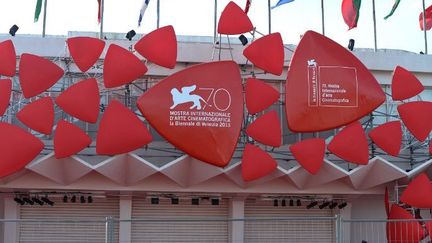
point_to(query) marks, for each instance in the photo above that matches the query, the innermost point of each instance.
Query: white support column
(236, 228)
(345, 213)
(11, 211)
(125, 214)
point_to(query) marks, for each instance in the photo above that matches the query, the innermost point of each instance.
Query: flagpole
(374, 24)
(269, 17)
(157, 14)
(215, 21)
(101, 19)
(424, 27)
(44, 18)
(322, 17)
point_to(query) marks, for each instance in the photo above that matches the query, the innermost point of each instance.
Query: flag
(99, 11)
(395, 5)
(37, 10)
(143, 9)
(280, 2)
(248, 3)
(428, 15)
(351, 12)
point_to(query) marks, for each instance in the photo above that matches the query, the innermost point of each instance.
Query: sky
(195, 17)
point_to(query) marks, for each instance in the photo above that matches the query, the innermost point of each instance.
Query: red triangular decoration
(120, 131)
(259, 95)
(267, 53)
(266, 129)
(418, 192)
(388, 137)
(7, 58)
(234, 20)
(69, 139)
(17, 148)
(310, 154)
(5, 93)
(85, 51)
(387, 202)
(121, 67)
(342, 144)
(38, 115)
(404, 84)
(405, 231)
(81, 100)
(37, 74)
(159, 46)
(417, 117)
(256, 163)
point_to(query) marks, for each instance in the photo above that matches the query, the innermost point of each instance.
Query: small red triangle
(267, 53)
(38, 115)
(120, 131)
(37, 74)
(81, 100)
(259, 95)
(7, 58)
(409, 231)
(342, 144)
(417, 117)
(69, 139)
(404, 84)
(17, 148)
(5, 94)
(234, 20)
(388, 137)
(85, 51)
(121, 67)
(309, 153)
(159, 46)
(256, 163)
(266, 129)
(327, 86)
(418, 192)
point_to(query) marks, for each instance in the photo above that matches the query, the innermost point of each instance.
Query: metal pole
(215, 22)
(158, 14)
(44, 18)
(374, 23)
(322, 17)
(424, 27)
(102, 19)
(269, 16)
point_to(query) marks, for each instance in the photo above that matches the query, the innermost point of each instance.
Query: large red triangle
(234, 20)
(120, 131)
(343, 143)
(81, 100)
(256, 163)
(85, 51)
(37, 74)
(388, 137)
(327, 86)
(309, 153)
(17, 148)
(259, 95)
(199, 110)
(121, 67)
(69, 139)
(407, 230)
(159, 46)
(418, 193)
(266, 129)
(417, 117)
(38, 115)
(267, 53)
(404, 84)
(5, 94)
(7, 58)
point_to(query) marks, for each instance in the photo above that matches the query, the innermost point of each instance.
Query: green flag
(395, 5)
(37, 10)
